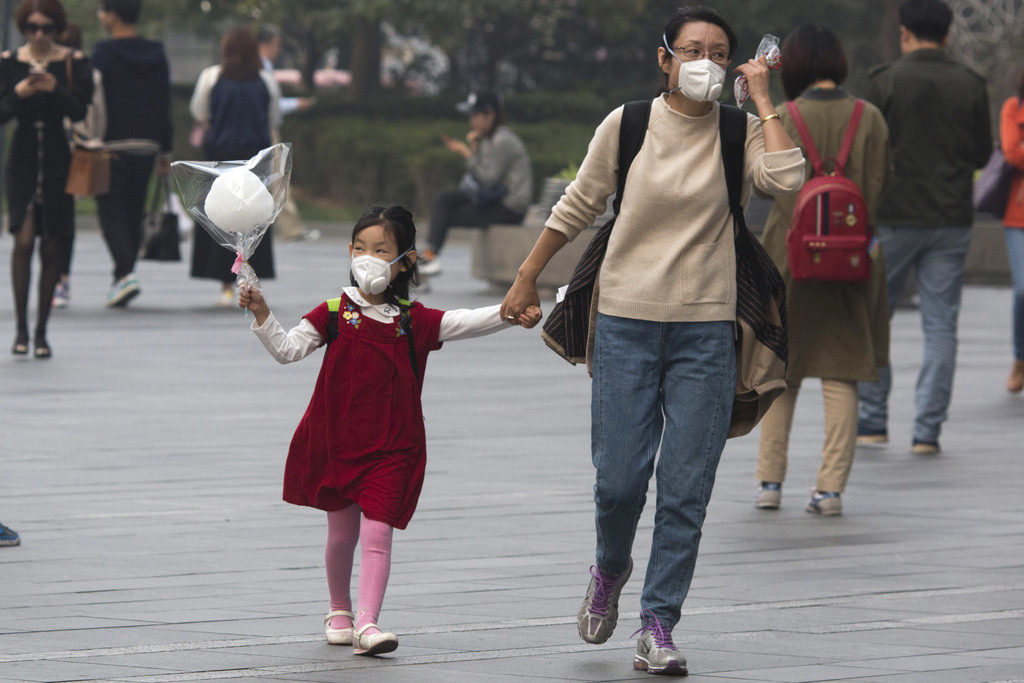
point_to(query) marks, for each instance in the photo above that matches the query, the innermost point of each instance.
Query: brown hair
(51, 8)
(812, 53)
(240, 55)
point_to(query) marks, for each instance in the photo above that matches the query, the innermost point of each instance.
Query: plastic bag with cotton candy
(236, 201)
(769, 49)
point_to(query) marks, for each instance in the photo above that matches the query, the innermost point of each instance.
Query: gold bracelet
(766, 119)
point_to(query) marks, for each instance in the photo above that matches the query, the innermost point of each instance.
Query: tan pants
(288, 223)
(840, 435)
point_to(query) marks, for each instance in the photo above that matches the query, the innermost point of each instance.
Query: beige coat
(837, 331)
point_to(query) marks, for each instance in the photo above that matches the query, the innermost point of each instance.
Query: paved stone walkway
(142, 466)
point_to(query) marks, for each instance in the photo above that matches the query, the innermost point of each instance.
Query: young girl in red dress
(360, 449)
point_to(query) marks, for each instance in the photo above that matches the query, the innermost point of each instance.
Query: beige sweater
(671, 256)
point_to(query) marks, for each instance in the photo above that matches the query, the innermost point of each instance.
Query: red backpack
(829, 236)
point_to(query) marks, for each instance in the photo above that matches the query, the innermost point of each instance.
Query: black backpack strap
(758, 283)
(405, 322)
(632, 130)
(732, 129)
(332, 324)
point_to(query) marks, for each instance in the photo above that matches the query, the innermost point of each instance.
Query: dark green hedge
(390, 150)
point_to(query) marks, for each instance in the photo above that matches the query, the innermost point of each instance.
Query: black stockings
(21, 276)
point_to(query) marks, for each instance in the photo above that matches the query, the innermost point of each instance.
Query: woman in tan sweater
(838, 331)
(664, 367)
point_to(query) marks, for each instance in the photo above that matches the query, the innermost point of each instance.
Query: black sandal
(19, 349)
(43, 350)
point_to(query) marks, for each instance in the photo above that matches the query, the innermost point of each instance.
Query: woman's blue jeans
(1015, 250)
(667, 385)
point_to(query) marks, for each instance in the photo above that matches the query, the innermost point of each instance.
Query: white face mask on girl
(700, 80)
(373, 275)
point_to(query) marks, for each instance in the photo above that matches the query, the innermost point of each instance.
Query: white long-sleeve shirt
(303, 339)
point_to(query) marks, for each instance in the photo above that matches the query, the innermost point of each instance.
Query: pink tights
(344, 529)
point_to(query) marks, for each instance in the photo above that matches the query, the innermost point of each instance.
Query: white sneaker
(62, 294)
(431, 267)
(769, 495)
(123, 291)
(226, 298)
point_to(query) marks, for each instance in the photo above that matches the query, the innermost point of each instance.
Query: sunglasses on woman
(32, 27)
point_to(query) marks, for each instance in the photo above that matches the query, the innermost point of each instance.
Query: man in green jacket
(938, 117)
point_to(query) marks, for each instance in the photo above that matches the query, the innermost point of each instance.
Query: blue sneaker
(9, 536)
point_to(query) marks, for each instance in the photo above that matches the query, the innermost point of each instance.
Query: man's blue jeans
(669, 385)
(1015, 250)
(938, 255)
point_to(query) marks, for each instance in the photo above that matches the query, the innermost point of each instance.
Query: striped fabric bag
(568, 327)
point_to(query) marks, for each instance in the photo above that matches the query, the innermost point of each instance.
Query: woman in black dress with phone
(41, 83)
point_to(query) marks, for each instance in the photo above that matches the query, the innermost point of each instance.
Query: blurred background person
(91, 128)
(938, 116)
(288, 223)
(236, 103)
(497, 185)
(136, 87)
(838, 331)
(41, 84)
(1011, 133)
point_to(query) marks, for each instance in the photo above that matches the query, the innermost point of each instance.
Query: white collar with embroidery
(385, 309)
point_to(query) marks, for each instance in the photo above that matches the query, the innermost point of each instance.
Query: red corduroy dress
(362, 439)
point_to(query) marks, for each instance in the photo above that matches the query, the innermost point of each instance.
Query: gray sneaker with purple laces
(600, 609)
(655, 651)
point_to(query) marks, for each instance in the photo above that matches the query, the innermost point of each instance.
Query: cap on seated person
(480, 102)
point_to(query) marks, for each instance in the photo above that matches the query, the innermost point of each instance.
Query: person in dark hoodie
(136, 82)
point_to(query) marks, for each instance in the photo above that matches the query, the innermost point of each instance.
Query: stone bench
(498, 251)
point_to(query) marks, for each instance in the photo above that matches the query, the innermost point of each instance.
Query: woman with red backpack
(838, 330)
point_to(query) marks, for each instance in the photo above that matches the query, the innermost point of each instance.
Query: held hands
(522, 304)
(528, 318)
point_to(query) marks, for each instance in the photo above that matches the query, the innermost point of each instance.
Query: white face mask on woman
(373, 275)
(700, 80)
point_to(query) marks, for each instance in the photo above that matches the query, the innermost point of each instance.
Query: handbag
(992, 190)
(89, 170)
(481, 195)
(762, 329)
(160, 235)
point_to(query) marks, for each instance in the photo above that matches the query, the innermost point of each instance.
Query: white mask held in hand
(700, 80)
(373, 275)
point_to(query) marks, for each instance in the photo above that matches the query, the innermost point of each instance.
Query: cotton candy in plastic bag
(236, 201)
(769, 49)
